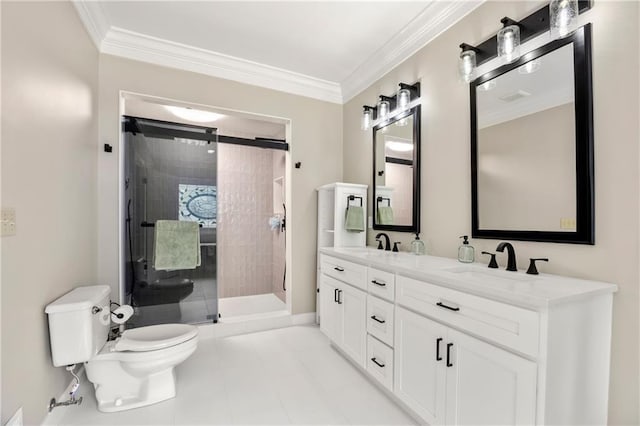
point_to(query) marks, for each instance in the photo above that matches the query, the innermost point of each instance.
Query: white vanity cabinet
(466, 345)
(343, 312)
(449, 377)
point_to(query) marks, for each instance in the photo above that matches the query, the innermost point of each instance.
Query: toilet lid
(155, 337)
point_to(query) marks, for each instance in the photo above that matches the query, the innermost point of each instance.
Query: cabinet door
(419, 367)
(330, 314)
(487, 385)
(353, 303)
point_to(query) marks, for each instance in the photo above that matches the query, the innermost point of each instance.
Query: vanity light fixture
(563, 15)
(467, 62)
(509, 40)
(368, 115)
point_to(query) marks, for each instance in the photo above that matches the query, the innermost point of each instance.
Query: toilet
(134, 370)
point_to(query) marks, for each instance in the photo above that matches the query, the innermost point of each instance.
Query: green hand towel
(354, 219)
(385, 215)
(177, 245)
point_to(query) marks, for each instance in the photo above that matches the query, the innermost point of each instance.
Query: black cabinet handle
(438, 357)
(335, 295)
(373, 317)
(339, 269)
(339, 299)
(442, 305)
(379, 283)
(449, 345)
(375, 361)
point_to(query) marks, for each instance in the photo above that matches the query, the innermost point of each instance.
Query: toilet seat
(154, 337)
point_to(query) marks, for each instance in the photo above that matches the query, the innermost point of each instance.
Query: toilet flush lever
(96, 310)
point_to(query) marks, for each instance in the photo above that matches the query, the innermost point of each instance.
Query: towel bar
(152, 225)
(381, 199)
(352, 198)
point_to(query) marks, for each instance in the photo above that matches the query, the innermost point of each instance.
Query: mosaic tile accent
(198, 203)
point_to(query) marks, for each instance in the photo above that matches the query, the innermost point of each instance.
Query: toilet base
(153, 389)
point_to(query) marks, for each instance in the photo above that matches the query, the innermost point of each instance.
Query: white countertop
(518, 288)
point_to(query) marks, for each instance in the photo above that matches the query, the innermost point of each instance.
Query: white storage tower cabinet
(332, 206)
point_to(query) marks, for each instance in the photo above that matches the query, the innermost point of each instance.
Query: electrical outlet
(8, 222)
(16, 420)
(567, 223)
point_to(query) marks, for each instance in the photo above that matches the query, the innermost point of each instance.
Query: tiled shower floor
(231, 307)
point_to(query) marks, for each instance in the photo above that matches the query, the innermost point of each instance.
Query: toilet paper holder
(96, 310)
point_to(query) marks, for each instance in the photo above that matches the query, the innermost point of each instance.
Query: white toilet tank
(77, 330)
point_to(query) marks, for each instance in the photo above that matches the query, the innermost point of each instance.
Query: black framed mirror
(532, 146)
(396, 173)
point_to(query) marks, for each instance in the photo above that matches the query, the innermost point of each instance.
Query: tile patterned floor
(277, 377)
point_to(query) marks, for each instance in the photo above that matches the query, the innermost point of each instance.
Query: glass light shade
(404, 97)
(367, 119)
(488, 85)
(383, 109)
(564, 17)
(530, 67)
(509, 43)
(467, 65)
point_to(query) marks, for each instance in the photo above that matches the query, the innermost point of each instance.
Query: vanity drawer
(380, 362)
(343, 270)
(380, 319)
(508, 325)
(381, 283)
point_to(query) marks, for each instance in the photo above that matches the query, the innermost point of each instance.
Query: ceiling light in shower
(195, 115)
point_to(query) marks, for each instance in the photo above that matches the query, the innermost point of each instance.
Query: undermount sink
(491, 277)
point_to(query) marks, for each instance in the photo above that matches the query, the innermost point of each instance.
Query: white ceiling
(329, 50)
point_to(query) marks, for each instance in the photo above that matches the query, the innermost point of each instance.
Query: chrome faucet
(511, 259)
(387, 242)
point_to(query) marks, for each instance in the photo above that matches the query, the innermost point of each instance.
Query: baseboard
(252, 324)
(55, 417)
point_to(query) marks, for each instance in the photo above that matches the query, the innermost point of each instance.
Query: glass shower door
(169, 178)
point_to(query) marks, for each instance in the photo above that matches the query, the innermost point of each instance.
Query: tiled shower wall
(247, 248)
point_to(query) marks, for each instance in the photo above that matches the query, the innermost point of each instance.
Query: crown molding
(141, 47)
(432, 21)
(436, 18)
(94, 19)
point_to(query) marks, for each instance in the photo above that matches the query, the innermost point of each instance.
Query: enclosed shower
(234, 190)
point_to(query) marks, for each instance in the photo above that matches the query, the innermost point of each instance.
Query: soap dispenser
(417, 246)
(466, 252)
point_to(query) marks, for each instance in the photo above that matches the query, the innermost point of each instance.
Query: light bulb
(367, 118)
(383, 109)
(509, 43)
(404, 97)
(467, 65)
(563, 17)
